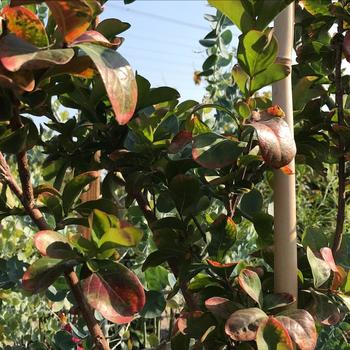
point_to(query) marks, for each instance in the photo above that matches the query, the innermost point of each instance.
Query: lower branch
(27, 200)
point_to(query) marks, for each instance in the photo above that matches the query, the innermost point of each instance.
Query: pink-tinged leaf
(220, 307)
(278, 300)
(23, 80)
(114, 291)
(346, 46)
(73, 18)
(80, 66)
(320, 269)
(273, 335)
(275, 139)
(301, 328)
(26, 25)
(243, 324)
(53, 244)
(16, 54)
(324, 309)
(118, 79)
(43, 272)
(91, 36)
(182, 320)
(327, 256)
(250, 283)
(180, 141)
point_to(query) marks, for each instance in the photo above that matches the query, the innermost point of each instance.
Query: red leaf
(220, 307)
(91, 36)
(275, 139)
(73, 18)
(25, 25)
(181, 321)
(118, 79)
(115, 292)
(180, 140)
(16, 54)
(301, 327)
(23, 80)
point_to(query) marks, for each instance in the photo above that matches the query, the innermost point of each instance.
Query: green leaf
(213, 151)
(43, 272)
(223, 236)
(74, 188)
(277, 300)
(320, 269)
(250, 283)
(236, 12)
(16, 54)
(111, 27)
(156, 278)
(273, 73)
(118, 79)
(301, 328)
(256, 51)
(99, 223)
(314, 238)
(243, 324)
(63, 341)
(317, 7)
(106, 205)
(125, 235)
(154, 306)
(251, 203)
(26, 25)
(52, 203)
(220, 307)
(209, 62)
(242, 109)
(158, 257)
(241, 78)
(272, 335)
(115, 292)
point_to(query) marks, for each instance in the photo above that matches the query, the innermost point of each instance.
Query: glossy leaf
(250, 283)
(114, 291)
(23, 80)
(73, 18)
(92, 36)
(256, 51)
(74, 188)
(180, 141)
(235, 11)
(118, 79)
(25, 25)
(273, 73)
(16, 54)
(324, 309)
(275, 139)
(43, 272)
(99, 223)
(154, 306)
(220, 307)
(273, 335)
(317, 7)
(111, 27)
(213, 151)
(278, 300)
(241, 78)
(320, 269)
(301, 328)
(223, 236)
(243, 324)
(53, 244)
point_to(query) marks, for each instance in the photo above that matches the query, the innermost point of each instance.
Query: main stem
(285, 238)
(341, 163)
(26, 197)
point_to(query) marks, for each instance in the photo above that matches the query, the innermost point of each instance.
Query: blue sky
(166, 52)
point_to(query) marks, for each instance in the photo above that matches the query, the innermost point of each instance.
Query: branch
(151, 220)
(26, 197)
(341, 162)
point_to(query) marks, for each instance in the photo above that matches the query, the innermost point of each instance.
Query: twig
(341, 163)
(151, 220)
(27, 199)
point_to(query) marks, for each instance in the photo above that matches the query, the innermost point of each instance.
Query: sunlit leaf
(278, 300)
(243, 324)
(250, 283)
(92, 36)
(220, 307)
(114, 291)
(320, 269)
(16, 54)
(301, 328)
(273, 335)
(25, 25)
(118, 79)
(276, 142)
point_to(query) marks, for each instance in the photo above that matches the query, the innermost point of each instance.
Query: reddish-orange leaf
(339, 278)
(73, 18)
(91, 36)
(26, 25)
(23, 80)
(287, 170)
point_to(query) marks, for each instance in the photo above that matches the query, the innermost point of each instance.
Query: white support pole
(285, 249)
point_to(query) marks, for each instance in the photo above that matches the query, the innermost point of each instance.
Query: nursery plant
(176, 251)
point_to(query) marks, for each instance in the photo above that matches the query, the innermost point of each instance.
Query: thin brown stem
(27, 199)
(173, 263)
(341, 162)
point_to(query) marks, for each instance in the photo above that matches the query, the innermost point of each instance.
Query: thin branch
(341, 163)
(151, 220)
(27, 200)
